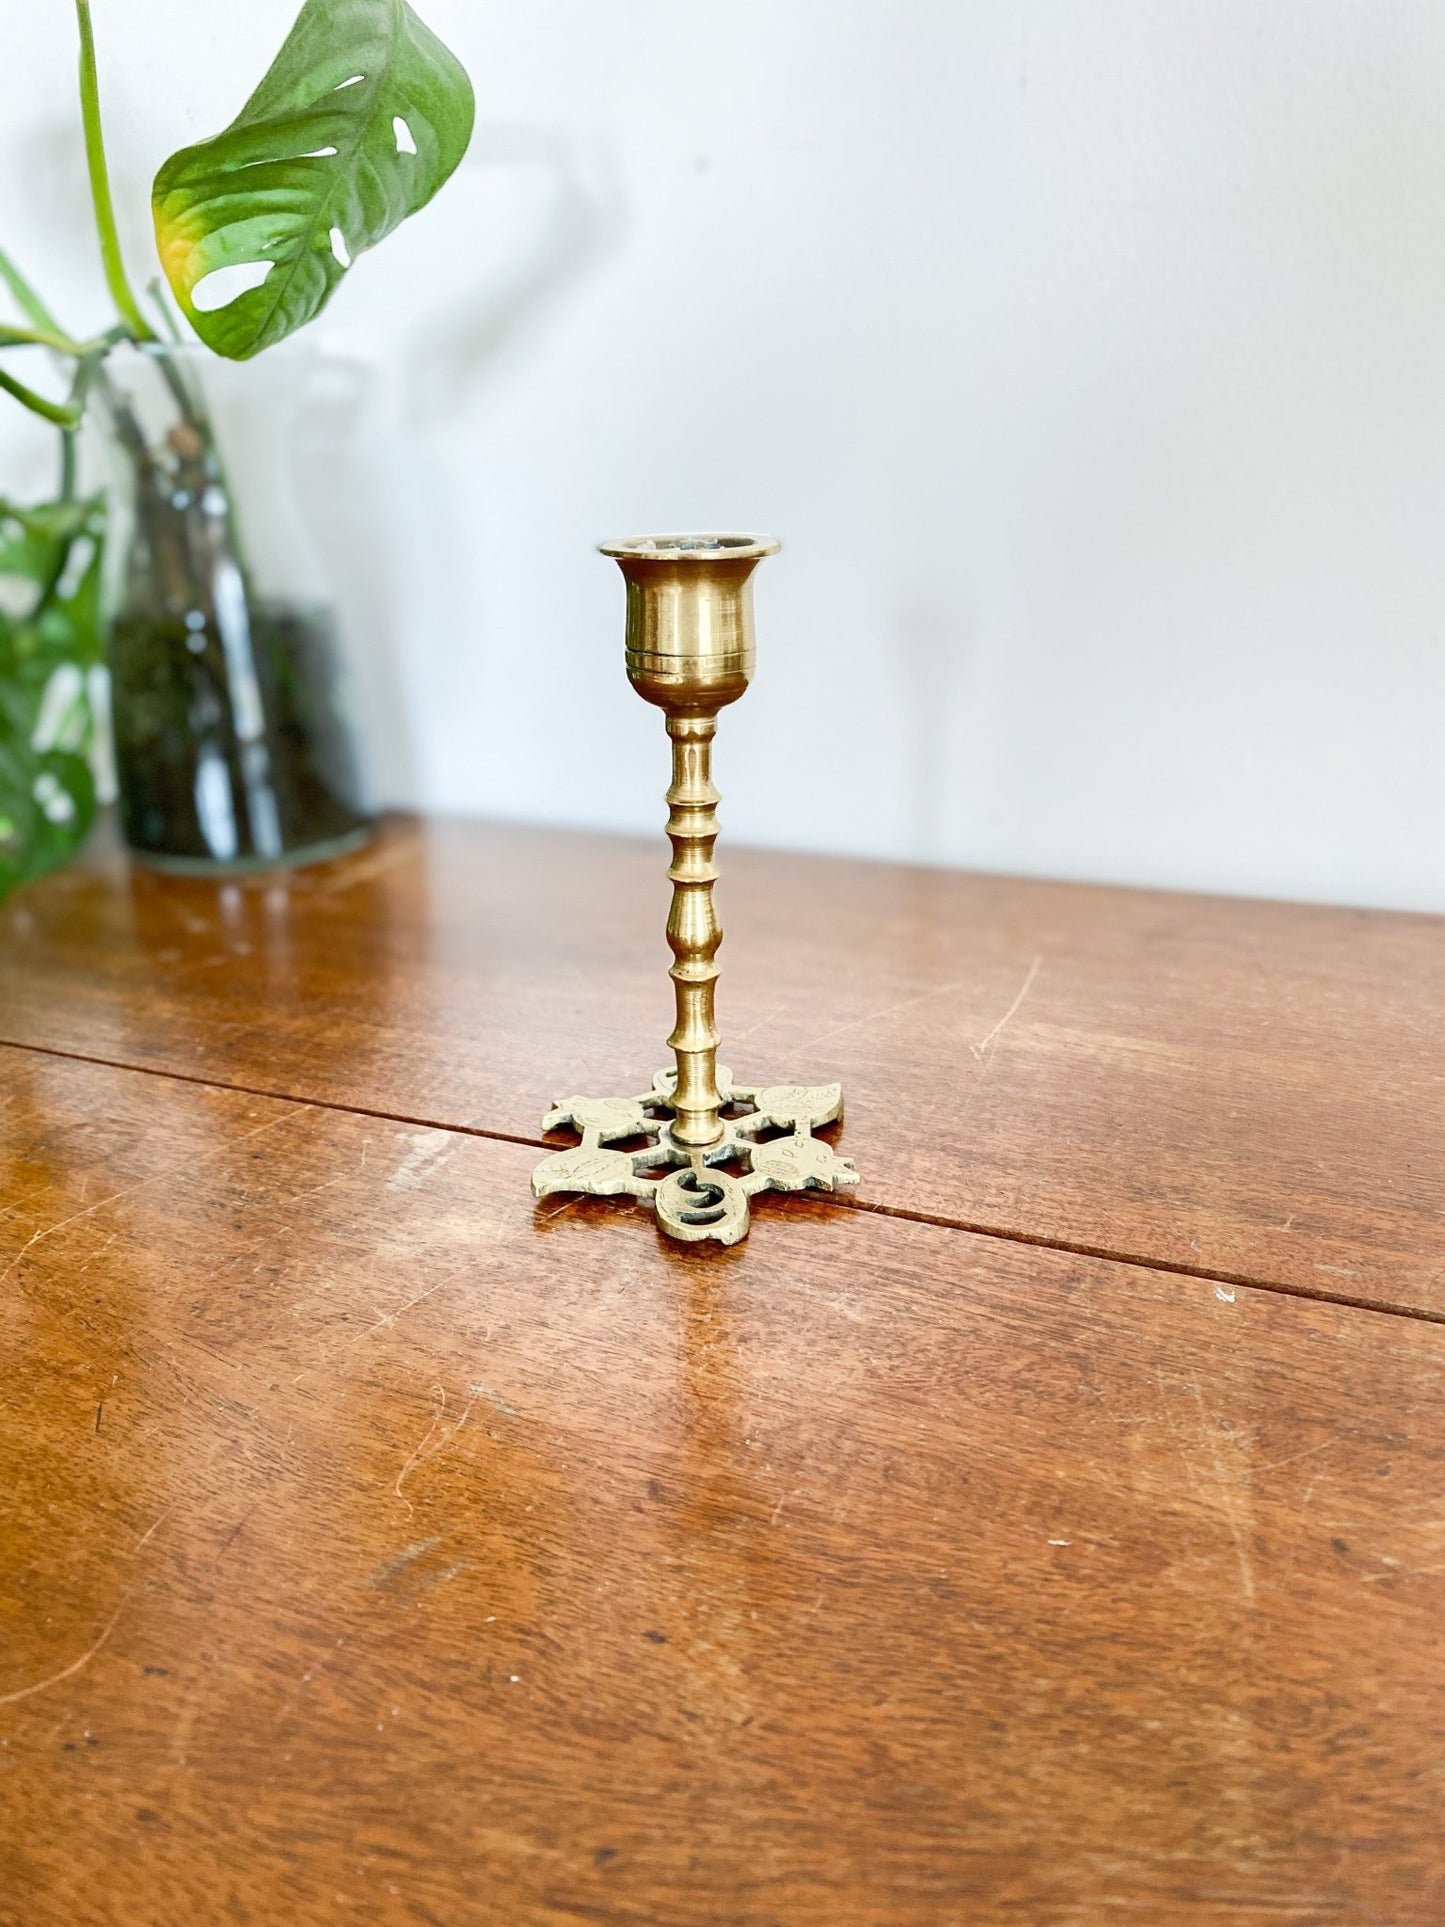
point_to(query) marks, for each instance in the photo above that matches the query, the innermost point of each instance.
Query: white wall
(1088, 356)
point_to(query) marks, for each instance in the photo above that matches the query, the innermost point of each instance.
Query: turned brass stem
(693, 930)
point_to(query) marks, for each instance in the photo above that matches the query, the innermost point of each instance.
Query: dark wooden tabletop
(1055, 1534)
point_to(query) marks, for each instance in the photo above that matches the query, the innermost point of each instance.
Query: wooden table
(1054, 1535)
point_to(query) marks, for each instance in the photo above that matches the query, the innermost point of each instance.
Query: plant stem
(63, 414)
(87, 369)
(26, 298)
(156, 290)
(115, 276)
(67, 464)
(42, 338)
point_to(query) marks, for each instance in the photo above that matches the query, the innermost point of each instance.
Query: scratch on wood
(1228, 1498)
(1404, 1572)
(158, 1177)
(875, 1016)
(114, 1238)
(326, 1186)
(390, 1317)
(1174, 1432)
(493, 1398)
(33, 1239)
(1322, 1445)
(151, 1530)
(439, 1431)
(68, 1672)
(737, 1036)
(340, 1178)
(981, 1049)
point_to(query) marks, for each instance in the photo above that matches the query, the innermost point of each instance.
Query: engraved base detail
(693, 1199)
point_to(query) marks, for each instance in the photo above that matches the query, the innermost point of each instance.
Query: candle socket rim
(700, 548)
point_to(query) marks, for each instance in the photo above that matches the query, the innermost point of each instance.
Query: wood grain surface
(1246, 1090)
(375, 1546)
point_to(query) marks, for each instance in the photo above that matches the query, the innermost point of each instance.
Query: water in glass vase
(235, 748)
(263, 770)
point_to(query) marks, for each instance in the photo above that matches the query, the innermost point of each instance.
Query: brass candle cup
(690, 650)
(691, 641)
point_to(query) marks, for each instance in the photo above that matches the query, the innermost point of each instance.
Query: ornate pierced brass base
(692, 1197)
(690, 651)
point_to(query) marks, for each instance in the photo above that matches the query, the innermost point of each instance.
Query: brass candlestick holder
(690, 650)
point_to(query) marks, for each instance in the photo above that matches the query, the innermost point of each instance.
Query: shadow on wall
(577, 219)
(936, 638)
(394, 542)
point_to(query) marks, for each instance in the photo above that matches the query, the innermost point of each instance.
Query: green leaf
(82, 606)
(47, 726)
(316, 168)
(27, 555)
(37, 542)
(47, 804)
(51, 521)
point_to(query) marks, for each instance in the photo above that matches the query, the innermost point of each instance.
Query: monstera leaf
(362, 117)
